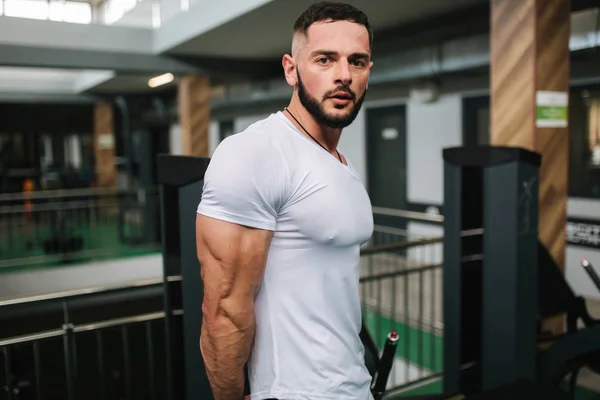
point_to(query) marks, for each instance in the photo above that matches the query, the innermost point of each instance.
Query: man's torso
(307, 309)
(308, 316)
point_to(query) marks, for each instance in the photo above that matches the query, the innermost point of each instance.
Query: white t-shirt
(308, 315)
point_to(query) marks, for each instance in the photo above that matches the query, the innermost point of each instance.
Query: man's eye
(323, 60)
(358, 63)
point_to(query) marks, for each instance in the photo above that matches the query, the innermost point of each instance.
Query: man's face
(333, 67)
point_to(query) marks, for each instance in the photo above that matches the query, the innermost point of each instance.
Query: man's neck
(326, 136)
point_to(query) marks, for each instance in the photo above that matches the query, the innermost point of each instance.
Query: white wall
(430, 128)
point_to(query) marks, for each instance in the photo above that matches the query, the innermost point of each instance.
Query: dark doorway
(386, 166)
(476, 121)
(225, 129)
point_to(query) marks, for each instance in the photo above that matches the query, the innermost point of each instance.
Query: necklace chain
(311, 136)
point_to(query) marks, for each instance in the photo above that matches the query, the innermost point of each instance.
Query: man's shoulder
(256, 139)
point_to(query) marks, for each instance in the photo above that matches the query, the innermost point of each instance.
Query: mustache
(341, 89)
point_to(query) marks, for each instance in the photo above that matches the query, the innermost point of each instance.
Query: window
(53, 10)
(584, 142)
(116, 9)
(476, 121)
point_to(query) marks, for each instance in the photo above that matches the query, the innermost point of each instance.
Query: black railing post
(68, 352)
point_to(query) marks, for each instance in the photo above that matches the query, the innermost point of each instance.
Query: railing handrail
(30, 337)
(56, 206)
(57, 193)
(380, 248)
(403, 272)
(61, 294)
(414, 215)
(155, 281)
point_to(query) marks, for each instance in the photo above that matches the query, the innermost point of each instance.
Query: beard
(316, 109)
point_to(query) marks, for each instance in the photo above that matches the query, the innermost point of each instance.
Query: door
(386, 166)
(225, 129)
(476, 121)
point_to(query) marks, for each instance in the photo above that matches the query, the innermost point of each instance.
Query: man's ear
(289, 69)
(370, 67)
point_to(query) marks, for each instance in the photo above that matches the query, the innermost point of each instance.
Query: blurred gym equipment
(499, 281)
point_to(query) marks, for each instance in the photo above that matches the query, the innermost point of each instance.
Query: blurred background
(92, 91)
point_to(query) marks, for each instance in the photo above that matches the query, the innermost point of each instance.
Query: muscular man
(279, 229)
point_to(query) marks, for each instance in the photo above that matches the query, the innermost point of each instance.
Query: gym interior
(478, 143)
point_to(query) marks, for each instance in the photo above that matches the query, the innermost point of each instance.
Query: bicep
(233, 259)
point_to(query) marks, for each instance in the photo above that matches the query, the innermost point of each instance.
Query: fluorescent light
(160, 80)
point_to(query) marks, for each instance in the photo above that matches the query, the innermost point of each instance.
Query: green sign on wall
(552, 109)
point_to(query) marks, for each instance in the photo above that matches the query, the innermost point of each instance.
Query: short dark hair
(328, 10)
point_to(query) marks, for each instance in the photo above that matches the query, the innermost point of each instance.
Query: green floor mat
(45, 245)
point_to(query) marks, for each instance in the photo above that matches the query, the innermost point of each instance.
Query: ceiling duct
(426, 62)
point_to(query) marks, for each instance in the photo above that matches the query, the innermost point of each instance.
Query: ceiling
(39, 80)
(256, 40)
(266, 31)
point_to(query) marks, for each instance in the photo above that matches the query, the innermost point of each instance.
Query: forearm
(225, 347)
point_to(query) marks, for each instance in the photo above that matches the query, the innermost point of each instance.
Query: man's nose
(343, 73)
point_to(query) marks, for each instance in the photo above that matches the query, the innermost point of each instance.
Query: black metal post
(68, 352)
(180, 179)
(452, 277)
(490, 277)
(510, 278)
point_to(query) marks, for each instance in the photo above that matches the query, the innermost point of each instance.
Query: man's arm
(232, 259)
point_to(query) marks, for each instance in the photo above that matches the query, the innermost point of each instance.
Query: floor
(43, 242)
(38, 281)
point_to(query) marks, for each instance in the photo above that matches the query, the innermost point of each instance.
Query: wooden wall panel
(552, 68)
(512, 73)
(530, 53)
(194, 114)
(104, 145)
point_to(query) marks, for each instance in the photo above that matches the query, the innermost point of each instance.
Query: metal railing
(401, 290)
(395, 225)
(99, 357)
(83, 356)
(57, 226)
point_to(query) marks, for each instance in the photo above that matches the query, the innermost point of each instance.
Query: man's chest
(328, 208)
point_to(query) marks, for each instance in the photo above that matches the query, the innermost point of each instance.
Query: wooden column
(104, 146)
(194, 114)
(530, 68)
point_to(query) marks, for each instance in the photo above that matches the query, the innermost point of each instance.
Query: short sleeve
(245, 182)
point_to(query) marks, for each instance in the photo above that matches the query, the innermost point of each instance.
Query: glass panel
(33, 9)
(584, 146)
(67, 11)
(54, 10)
